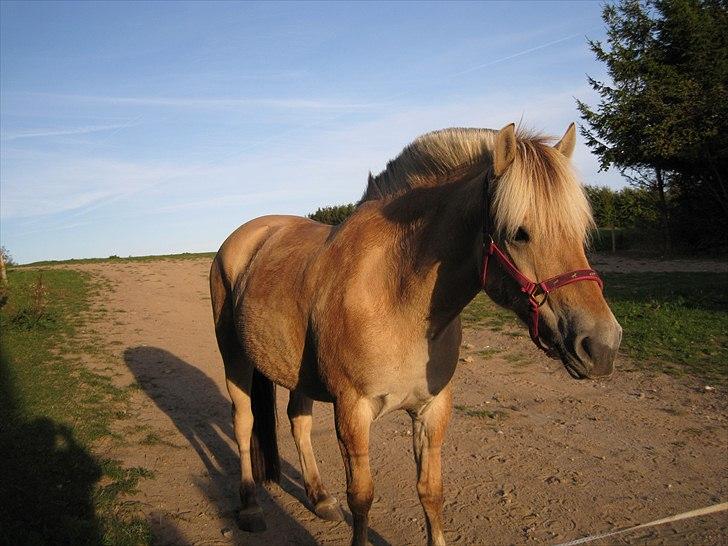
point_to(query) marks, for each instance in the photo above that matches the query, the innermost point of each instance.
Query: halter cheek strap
(537, 292)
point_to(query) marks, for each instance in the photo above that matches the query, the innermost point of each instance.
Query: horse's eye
(521, 236)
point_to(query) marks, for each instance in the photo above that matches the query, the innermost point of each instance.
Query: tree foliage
(5, 257)
(663, 118)
(333, 215)
(626, 208)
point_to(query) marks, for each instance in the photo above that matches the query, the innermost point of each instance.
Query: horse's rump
(262, 279)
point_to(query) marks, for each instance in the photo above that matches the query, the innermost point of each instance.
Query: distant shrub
(36, 313)
(333, 215)
(627, 219)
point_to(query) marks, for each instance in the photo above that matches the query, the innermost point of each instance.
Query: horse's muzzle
(592, 354)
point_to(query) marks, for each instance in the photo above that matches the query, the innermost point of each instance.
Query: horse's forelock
(542, 190)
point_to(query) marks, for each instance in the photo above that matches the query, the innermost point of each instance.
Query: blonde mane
(540, 188)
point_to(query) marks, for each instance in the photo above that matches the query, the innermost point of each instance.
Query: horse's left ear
(504, 151)
(567, 142)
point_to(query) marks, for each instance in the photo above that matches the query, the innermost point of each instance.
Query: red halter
(534, 290)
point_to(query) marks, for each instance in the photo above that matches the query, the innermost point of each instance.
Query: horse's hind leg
(428, 431)
(239, 378)
(300, 408)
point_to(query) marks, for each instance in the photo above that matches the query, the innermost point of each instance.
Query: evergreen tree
(663, 118)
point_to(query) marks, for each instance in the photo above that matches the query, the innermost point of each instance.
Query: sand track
(560, 459)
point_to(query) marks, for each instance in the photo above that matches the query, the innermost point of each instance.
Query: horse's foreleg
(428, 431)
(239, 377)
(353, 419)
(300, 408)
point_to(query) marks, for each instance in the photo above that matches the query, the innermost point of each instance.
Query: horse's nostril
(587, 347)
(596, 355)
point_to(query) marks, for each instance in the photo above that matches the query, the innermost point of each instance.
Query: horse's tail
(264, 440)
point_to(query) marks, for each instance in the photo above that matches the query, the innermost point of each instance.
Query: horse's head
(539, 216)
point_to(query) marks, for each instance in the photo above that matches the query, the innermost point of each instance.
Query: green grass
(481, 413)
(52, 411)
(483, 312)
(488, 352)
(117, 259)
(673, 322)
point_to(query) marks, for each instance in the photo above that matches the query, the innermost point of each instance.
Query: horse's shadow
(201, 413)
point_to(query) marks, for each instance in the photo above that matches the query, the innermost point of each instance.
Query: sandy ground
(562, 459)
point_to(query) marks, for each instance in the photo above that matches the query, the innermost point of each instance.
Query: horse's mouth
(575, 368)
(549, 348)
(554, 348)
(574, 372)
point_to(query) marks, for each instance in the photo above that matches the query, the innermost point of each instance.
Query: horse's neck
(439, 249)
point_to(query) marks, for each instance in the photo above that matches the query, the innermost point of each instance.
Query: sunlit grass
(53, 409)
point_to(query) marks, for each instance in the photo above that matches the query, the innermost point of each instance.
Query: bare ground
(532, 456)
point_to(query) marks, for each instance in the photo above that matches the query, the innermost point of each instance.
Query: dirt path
(531, 456)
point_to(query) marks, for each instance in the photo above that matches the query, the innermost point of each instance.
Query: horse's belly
(410, 401)
(411, 385)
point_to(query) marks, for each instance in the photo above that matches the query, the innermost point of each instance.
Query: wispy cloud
(223, 103)
(518, 54)
(42, 184)
(61, 131)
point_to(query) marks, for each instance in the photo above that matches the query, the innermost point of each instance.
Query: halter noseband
(537, 292)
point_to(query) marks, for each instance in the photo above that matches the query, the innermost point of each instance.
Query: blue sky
(159, 127)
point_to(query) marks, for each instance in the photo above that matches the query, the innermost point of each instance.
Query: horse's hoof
(251, 520)
(329, 510)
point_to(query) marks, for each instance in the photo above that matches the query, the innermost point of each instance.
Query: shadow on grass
(47, 478)
(692, 290)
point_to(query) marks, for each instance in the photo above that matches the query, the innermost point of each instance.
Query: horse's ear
(505, 149)
(568, 141)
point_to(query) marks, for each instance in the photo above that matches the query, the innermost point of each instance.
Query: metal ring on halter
(542, 293)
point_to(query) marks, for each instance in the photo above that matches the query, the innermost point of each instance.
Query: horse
(365, 314)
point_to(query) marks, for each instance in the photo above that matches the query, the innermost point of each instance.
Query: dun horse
(366, 314)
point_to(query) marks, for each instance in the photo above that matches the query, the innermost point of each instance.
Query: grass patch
(482, 312)
(154, 439)
(151, 439)
(515, 357)
(488, 352)
(129, 259)
(52, 410)
(675, 322)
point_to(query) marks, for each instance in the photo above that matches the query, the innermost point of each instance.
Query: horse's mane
(540, 184)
